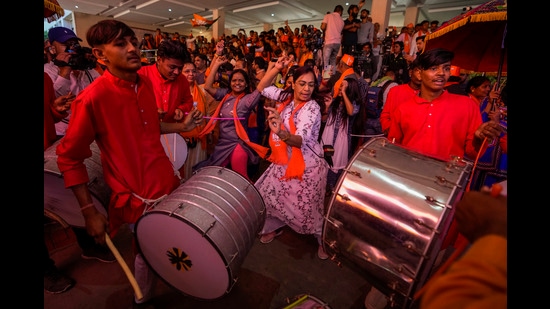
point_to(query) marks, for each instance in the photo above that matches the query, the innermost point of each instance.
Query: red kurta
(169, 95)
(442, 128)
(396, 95)
(122, 118)
(51, 115)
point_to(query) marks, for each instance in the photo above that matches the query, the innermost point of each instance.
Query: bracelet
(87, 206)
(284, 139)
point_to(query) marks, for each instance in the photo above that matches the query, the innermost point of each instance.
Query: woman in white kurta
(337, 131)
(293, 188)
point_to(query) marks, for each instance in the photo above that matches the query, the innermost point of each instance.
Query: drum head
(175, 148)
(189, 261)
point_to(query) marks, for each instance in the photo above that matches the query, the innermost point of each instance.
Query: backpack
(375, 99)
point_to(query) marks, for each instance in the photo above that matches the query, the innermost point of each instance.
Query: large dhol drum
(197, 237)
(389, 214)
(175, 147)
(61, 201)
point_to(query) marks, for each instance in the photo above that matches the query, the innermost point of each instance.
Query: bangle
(284, 139)
(87, 206)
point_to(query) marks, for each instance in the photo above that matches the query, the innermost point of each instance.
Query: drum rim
(200, 232)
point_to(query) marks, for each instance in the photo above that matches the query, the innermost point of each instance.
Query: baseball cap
(61, 34)
(347, 59)
(410, 25)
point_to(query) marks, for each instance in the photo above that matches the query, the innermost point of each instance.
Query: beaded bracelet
(87, 206)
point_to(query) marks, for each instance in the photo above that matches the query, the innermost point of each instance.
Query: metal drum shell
(389, 213)
(60, 200)
(211, 221)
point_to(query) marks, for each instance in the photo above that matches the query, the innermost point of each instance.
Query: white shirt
(413, 49)
(79, 79)
(77, 82)
(335, 25)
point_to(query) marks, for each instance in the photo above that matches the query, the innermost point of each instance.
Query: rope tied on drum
(149, 203)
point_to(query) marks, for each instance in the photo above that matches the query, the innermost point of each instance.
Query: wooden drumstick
(124, 266)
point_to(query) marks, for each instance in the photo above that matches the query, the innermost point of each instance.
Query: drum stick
(169, 152)
(124, 266)
(297, 302)
(174, 146)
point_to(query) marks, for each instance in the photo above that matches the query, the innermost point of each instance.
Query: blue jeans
(329, 54)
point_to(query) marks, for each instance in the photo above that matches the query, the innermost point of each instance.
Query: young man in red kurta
(118, 112)
(438, 124)
(170, 86)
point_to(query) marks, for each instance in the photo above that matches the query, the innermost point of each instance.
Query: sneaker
(321, 253)
(99, 253)
(55, 282)
(267, 238)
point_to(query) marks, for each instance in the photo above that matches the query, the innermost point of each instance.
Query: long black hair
(354, 95)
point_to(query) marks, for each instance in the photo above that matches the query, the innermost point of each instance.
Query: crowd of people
(278, 97)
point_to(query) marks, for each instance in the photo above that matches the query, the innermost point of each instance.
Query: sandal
(321, 253)
(267, 238)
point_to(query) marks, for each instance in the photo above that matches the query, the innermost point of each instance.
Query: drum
(175, 148)
(389, 214)
(198, 236)
(61, 201)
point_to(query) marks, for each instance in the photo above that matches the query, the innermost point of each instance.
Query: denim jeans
(329, 54)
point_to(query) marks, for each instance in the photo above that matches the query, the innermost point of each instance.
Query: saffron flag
(198, 21)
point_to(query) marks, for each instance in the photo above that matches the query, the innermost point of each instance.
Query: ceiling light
(187, 5)
(107, 10)
(257, 6)
(175, 24)
(146, 4)
(121, 13)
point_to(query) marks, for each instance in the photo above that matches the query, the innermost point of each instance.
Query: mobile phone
(274, 59)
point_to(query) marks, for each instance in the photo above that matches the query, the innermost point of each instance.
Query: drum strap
(149, 203)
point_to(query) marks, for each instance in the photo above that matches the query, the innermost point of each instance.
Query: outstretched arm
(267, 80)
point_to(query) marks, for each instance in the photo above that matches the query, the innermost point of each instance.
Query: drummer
(171, 88)
(438, 123)
(172, 92)
(118, 111)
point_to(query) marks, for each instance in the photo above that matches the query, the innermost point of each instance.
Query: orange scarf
(279, 155)
(262, 151)
(407, 43)
(198, 96)
(339, 81)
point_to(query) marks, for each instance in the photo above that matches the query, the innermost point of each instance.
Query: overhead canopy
(477, 38)
(52, 10)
